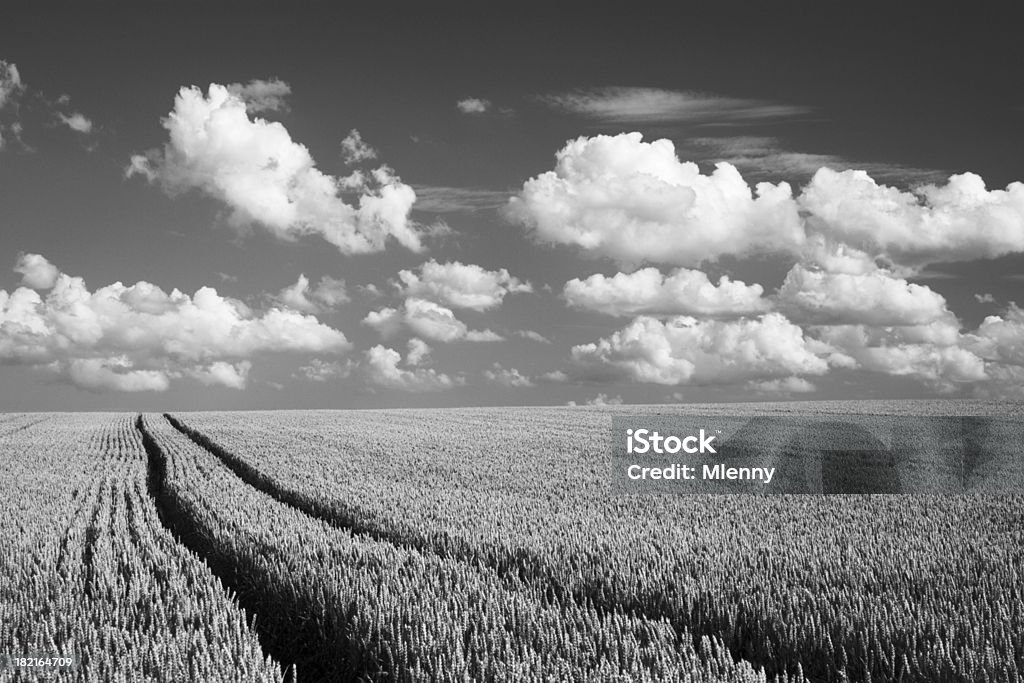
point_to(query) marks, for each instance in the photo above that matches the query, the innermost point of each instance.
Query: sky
(233, 206)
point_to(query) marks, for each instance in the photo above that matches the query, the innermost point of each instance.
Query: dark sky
(909, 92)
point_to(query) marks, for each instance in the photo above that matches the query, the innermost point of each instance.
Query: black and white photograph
(494, 342)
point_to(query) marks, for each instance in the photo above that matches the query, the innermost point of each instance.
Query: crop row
(89, 572)
(853, 587)
(351, 606)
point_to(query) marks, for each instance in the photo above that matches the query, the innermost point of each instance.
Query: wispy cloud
(766, 157)
(444, 199)
(18, 100)
(655, 105)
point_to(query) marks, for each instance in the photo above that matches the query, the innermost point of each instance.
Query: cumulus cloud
(114, 374)
(508, 377)
(655, 105)
(876, 297)
(355, 150)
(473, 105)
(387, 321)
(301, 296)
(958, 221)
(36, 272)
(262, 96)
(265, 178)
(382, 369)
(685, 291)
(685, 350)
(461, 285)
(428, 320)
(933, 353)
(635, 201)
(419, 351)
(230, 375)
(431, 321)
(126, 338)
(1000, 338)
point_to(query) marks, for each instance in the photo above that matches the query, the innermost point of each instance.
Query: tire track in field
(742, 634)
(176, 522)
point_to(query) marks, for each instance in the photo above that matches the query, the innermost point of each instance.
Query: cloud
(431, 321)
(123, 337)
(444, 199)
(36, 272)
(17, 100)
(483, 336)
(328, 293)
(11, 91)
(1001, 337)
(381, 369)
(999, 340)
(77, 122)
(934, 354)
(461, 285)
(634, 202)
(265, 178)
(620, 105)
(319, 370)
(785, 385)
(685, 350)
(428, 320)
(473, 105)
(262, 96)
(232, 376)
(387, 321)
(10, 83)
(985, 298)
(114, 374)
(958, 221)
(876, 297)
(419, 351)
(605, 400)
(555, 376)
(508, 377)
(685, 291)
(533, 336)
(354, 150)
(766, 157)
